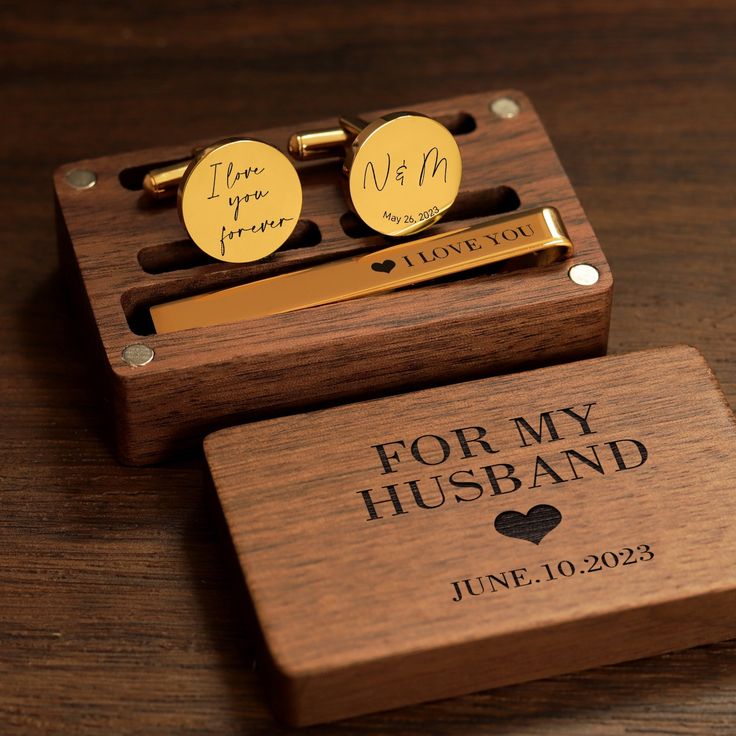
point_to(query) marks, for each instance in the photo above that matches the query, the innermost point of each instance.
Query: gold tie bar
(538, 233)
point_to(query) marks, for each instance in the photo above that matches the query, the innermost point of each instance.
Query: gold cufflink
(239, 199)
(403, 170)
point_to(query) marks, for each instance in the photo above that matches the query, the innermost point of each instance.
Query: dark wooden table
(117, 612)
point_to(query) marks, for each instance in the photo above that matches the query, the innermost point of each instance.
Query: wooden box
(463, 537)
(123, 254)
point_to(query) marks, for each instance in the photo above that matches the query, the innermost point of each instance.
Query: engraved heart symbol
(533, 526)
(384, 266)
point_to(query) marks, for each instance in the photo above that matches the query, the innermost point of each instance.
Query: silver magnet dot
(80, 178)
(505, 107)
(583, 274)
(138, 354)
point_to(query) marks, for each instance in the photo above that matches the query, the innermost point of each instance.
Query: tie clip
(537, 233)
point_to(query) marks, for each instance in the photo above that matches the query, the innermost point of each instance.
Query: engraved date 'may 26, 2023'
(432, 165)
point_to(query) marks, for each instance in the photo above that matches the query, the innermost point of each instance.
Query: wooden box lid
(582, 514)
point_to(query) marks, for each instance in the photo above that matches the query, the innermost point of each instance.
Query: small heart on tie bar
(384, 266)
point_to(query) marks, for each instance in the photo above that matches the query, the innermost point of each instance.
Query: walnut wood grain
(207, 377)
(117, 614)
(370, 601)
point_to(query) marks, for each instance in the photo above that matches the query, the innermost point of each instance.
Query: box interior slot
(184, 254)
(199, 274)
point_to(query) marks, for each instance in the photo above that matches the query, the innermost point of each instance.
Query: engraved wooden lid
(485, 533)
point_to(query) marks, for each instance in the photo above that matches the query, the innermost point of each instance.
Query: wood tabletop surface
(119, 611)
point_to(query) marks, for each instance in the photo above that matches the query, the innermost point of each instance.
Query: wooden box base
(123, 254)
(495, 531)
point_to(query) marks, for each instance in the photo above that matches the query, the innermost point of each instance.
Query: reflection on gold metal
(311, 144)
(403, 169)
(307, 145)
(239, 200)
(537, 235)
(162, 183)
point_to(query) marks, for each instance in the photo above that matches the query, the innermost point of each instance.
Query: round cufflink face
(404, 173)
(240, 200)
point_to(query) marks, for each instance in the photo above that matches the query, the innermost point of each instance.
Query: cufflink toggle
(403, 170)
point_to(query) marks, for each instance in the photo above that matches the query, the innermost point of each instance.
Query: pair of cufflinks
(240, 199)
